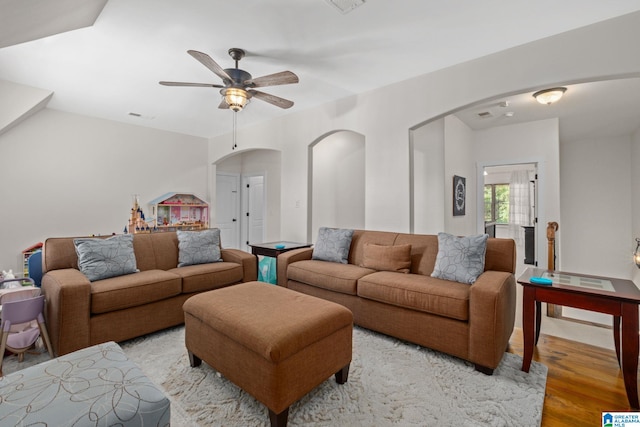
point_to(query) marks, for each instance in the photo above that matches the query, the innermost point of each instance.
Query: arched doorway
(336, 182)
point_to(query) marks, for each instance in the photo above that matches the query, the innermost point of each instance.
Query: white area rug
(391, 383)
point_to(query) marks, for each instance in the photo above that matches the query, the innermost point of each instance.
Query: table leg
(538, 320)
(630, 343)
(254, 251)
(616, 338)
(528, 332)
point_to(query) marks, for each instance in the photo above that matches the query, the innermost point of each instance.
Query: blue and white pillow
(103, 258)
(198, 247)
(460, 259)
(333, 245)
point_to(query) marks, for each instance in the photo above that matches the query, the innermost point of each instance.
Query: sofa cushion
(198, 247)
(424, 249)
(203, 277)
(100, 258)
(362, 237)
(417, 292)
(132, 290)
(460, 258)
(332, 245)
(387, 258)
(335, 277)
(156, 251)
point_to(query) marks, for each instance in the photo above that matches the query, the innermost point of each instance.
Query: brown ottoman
(274, 343)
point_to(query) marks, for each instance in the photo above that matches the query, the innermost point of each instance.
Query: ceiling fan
(238, 85)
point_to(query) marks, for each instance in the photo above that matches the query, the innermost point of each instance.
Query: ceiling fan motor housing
(239, 77)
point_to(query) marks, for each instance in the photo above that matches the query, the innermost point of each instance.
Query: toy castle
(137, 221)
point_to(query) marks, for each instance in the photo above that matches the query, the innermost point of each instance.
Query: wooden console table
(617, 297)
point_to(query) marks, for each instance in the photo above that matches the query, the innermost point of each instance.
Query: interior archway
(578, 118)
(239, 221)
(336, 182)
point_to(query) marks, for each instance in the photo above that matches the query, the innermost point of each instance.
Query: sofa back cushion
(152, 251)
(156, 251)
(424, 249)
(500, 255)
(59, 253)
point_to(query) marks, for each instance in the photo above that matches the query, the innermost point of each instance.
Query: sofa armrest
(492, 312)
(248, 261)
(286, 258)
(68, 309)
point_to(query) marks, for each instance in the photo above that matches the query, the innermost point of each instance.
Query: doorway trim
(540, 250)
(245, 208)
(236, 208)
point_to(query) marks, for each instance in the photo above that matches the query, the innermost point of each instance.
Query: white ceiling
(113, 67)
(588, 110)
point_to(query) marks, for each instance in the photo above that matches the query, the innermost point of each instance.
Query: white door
(253, 210)
(228, 209)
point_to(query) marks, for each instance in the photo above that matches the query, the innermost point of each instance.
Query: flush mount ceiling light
(549, 96)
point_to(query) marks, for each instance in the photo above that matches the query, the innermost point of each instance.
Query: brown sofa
(472, 322)
(80, 313)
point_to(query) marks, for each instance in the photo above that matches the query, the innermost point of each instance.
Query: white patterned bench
(97, 386)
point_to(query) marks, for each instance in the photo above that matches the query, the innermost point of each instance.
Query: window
(496, 203)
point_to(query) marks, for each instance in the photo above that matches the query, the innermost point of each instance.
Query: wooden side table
(618, 297)
(273, 249)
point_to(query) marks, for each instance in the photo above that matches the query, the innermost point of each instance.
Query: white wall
(19, 102)
(45, 189)
(533, 142)
(635, 195)
(596, 219)
(428, 178)
(597, 211)
(459, 158)
(338, 183)
(386, 127)
(69, 175)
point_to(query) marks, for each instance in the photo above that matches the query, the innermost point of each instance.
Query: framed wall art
(459, 195)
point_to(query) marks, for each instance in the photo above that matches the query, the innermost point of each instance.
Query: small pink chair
(20, 308)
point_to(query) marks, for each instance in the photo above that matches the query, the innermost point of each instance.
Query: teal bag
(267, 270)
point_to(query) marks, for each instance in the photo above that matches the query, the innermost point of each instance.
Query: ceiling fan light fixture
(236, 98)
(549, 96)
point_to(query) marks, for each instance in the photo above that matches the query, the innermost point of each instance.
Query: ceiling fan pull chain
(235, 128)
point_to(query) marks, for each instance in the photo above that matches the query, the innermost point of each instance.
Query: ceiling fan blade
(190, 84)
(223, 105)
(272, 99)
(281, 78)
(208, 62)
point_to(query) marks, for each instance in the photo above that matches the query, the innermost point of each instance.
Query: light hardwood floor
(583, 380)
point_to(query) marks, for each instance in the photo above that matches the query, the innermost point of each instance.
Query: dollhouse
(179, 211)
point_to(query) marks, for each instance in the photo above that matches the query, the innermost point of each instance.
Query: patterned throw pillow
(333, 245)
(198, 247)
(460, 259)
(103, 258)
